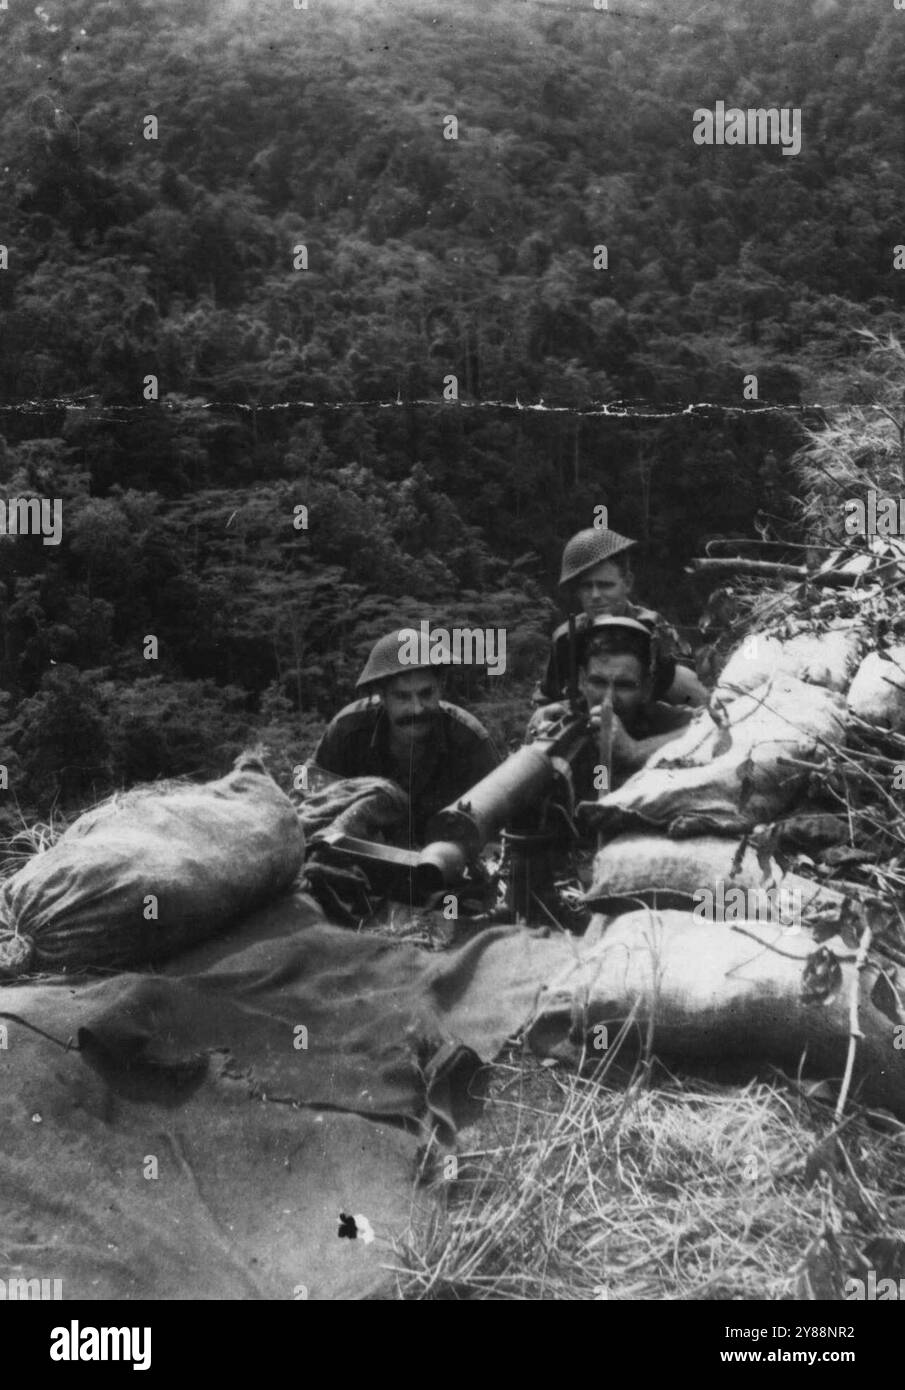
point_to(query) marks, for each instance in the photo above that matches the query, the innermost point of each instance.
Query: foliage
(426, 257)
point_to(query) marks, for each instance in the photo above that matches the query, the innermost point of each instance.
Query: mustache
(413, 721)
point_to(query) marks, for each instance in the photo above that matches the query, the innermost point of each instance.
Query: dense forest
(302, 257)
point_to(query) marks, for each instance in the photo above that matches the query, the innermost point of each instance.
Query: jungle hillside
(260, 209)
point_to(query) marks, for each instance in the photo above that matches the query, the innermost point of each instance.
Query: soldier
(597, 578)
(402, 730)
(616, 660)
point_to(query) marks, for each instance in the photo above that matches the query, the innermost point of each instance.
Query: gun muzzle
(440, 865)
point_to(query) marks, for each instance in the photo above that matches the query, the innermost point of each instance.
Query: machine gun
(510, 796)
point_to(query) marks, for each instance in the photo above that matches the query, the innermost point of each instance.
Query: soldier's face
(603, 591)
(622, 678)
(411, 702)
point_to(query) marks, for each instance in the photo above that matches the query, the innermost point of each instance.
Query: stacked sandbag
(729, 776)
(829, 659)
(877, 694)
(151, 872)
(717, 990)
(653, 869)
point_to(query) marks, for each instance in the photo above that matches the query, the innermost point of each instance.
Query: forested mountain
(427, 257)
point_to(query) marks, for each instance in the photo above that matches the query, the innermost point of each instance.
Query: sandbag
(828, 659)
(713, 990)
(732, 776)
(150, 872)
(657, 870)
(877, 694)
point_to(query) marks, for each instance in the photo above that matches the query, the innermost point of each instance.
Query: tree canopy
(316, 380)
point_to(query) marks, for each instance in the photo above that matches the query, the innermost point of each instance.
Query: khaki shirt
(456, 757)
(653, 719)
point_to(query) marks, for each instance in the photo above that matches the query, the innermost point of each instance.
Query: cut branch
(771, 569)
(854, 1026)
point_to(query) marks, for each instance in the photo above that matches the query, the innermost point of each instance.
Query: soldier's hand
(623, 745)
(542, 719)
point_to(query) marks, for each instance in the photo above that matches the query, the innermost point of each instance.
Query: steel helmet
(625, 634)
(390, 656)
(589, 548)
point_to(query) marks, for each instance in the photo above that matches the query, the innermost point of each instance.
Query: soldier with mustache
(402, 729)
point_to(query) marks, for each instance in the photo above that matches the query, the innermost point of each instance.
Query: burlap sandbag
(718, 990)
(150, 872)
(734, 775)
(877, 693)
(654, 869)
(829, 659)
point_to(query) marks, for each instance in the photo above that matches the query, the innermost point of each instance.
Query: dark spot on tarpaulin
(347, 1227)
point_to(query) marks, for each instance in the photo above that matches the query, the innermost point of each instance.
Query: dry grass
(39, 836)
(33, 839)
(571, 1188)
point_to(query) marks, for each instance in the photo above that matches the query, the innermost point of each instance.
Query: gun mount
(512, 796)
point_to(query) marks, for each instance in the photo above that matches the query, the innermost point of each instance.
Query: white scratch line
(613, 410)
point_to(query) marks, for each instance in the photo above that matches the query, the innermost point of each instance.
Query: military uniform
(653, 719)
(459, 753)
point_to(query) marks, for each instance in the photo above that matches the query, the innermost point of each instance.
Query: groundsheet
(197, 1132)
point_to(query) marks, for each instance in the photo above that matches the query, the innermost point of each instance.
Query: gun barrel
(513, 786)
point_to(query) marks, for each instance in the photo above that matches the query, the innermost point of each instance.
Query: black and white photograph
(452, 667)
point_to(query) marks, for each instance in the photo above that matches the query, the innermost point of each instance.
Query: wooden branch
(745, 930)
(854, 1027)
(771, 569)
(750, 543)
(767, 568)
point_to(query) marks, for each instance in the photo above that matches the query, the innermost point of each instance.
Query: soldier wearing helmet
(402, 730)
(596, 578)
(617, 662)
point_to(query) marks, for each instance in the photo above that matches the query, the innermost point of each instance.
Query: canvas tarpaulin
(260, 1144)
(365, 806)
